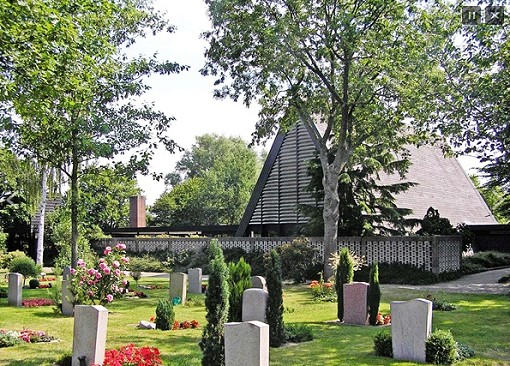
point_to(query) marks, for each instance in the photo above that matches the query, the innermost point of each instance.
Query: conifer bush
(344, 274)
(216, 303)
(165, 315)
(274, 310)
(240, 280)
(374, 294)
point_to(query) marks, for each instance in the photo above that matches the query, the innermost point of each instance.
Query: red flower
(131, 355)
(176, 325)
(194, 324)
(31, 303)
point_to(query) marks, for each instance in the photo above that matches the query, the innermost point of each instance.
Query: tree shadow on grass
(42, 314)
(31, 362)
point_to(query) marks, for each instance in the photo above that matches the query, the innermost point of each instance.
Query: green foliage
(216, 303)
(25, 266)
(322, 291)
(440, 348)
(344, 274)
(8, 339)
(297, 258)
(374, 294)
(146, 263)
(298, 332)
(211, 185)
(484, 260)
(165, 315)
(382, 344)
(463, 351)
(434, 224)
(6, 258)
(274, 310)
(239, 281)
(33, 283)
(3, 243)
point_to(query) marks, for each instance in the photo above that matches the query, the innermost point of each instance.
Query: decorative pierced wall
(436, 254)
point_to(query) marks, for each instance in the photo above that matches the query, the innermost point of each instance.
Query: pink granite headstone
(355, 303)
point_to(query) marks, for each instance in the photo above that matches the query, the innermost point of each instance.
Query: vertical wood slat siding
(435, 254)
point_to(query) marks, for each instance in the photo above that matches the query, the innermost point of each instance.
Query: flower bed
(185, 325)
(11, 337)
(32, 303)
(132, 356)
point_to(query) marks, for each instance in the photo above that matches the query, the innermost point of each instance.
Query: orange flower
(328, 284)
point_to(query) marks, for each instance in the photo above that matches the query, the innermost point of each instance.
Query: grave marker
(195, 280)
(254, 304)
(89, 340)
(178, 286)
(411, 323)
(247, 344)
(15, 290)
(258, 282)
(355, 303)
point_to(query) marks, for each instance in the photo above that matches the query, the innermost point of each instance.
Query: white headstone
(247, 344)
(411, 324)
(67, 305)
(258, 282)
(254, 304)
(355, 303)
(195, 280)
(89, 340)
(178, 286)
(15, 289)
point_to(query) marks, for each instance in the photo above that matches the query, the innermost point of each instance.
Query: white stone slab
(178, 286)
(14, 293)
(411, 324)
(89, 340)
(67, 296)
(247, 344)
(254, 304)
(195, 280)
(355, 303)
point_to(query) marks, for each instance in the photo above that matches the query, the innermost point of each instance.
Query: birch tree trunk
(42, 214)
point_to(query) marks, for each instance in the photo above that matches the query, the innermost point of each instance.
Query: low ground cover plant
(132, 356)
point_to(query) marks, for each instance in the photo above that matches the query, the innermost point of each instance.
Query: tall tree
(217, 176)
(356, 67)
(70, 86)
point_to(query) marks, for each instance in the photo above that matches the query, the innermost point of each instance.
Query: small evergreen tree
(374, 294)
(165, 315)
(274, 310)
(216, 303)
(344, 274)
(240, 280)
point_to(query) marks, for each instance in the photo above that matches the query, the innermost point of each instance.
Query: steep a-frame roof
(441, 183)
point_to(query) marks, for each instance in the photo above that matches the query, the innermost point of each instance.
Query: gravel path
(484, 282)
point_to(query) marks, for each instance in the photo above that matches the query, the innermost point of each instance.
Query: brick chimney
(137, 211)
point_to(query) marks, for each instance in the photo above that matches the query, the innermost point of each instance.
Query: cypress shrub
(240, 280)
(374, 294)
(216, 303)
(165, 315)
(274, 310)
(344, 274)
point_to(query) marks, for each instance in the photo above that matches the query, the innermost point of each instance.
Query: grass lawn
(481, 321)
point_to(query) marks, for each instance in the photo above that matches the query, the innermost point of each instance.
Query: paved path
(484, 282)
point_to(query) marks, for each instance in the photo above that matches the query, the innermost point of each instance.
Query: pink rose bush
(101, 282)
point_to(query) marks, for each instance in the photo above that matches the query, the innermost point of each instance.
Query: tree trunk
(42, 213)
(330, 215)
(74, 207)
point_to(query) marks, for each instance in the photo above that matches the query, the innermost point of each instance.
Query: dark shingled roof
(441, 183)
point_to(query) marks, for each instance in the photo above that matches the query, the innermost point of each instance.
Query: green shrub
(6, 258)
(239, 281)
(382, 344)
(274, 310)
(146, 263)
(440, 348)
(443, 305)
(374, 294)
(33, 283)
(3, 293)
(484, 260)
(216, 303)
(9, 339)
(297, 259)
(165, 315)
(463, 351)
(25, 266)
(344, 274)
(298, 333)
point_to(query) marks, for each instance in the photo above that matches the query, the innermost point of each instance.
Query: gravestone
(66, 273)
(411, 323)
(178, 286)
(195, 280)
(15, 289)
(89, 339)
(67, 305)
(355, 303)
(247, 344)
(254, 304)
(258, 282)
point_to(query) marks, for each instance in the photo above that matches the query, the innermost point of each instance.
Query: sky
(188, 96)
